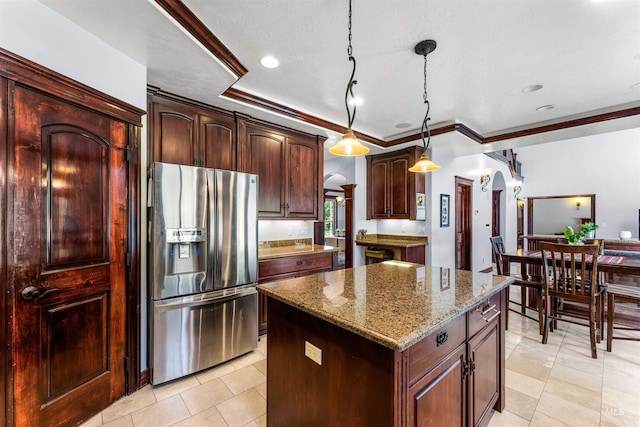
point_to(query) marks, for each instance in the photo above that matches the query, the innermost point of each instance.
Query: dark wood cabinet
(484, 377)
(191, 135)
(391, 188)
(289, 167)
(462, 380)
(452, 377)
(441, 395)
(289, 267)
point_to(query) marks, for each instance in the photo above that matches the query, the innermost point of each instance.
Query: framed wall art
(444, 210)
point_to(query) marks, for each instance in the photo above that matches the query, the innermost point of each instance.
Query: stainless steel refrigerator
(203, 268)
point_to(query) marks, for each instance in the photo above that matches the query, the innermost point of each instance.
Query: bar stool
(619, 293)
(373, 255)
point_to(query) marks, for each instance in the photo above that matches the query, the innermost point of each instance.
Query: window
(329, 218)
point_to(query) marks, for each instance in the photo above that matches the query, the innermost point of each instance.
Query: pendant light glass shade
(424, 164)
(348, 146)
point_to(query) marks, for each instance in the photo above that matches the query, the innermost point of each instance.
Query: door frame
(466, 185)
(15, 69)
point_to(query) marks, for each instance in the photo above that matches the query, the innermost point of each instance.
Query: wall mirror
(548, 215)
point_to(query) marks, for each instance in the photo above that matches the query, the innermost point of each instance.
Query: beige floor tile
(243, 379)
(566, 411)
(622, 381)
(262, 421)
(261, 366)
(520, 404)
(262, 389)
(215, 372)
(580, 358)
(524, 384)
(530, 362)
(242, 409)
(571, 375)
(163, 413)
(251, 424)
(247, 359)
(165, 391)
(619, 419)
(616, 402)
(541, 420)
(571, 392)
(94, 421)
(506, 419)
(126, 421)
(128, 404)
(209, 417)
(205, 396)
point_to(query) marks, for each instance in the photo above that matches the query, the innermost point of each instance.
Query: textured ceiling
(586, 55)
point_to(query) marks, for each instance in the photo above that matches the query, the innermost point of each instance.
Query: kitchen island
(388, 344)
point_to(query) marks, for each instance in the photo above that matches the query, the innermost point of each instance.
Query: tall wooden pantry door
(67, 271)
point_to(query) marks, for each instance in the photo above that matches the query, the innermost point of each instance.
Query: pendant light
(424, 164)
(349, 144)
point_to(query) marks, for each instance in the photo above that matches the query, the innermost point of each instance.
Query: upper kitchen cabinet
(190, 134)
(391, 188)
(289, 165)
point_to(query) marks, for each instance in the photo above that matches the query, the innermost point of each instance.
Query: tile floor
(557, 384)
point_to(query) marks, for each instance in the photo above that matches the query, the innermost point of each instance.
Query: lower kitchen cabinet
(463, 387)
(288, 267)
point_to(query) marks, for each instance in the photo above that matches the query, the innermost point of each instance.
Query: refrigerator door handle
(193, 304)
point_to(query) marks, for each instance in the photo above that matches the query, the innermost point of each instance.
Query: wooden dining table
(606, 263)
(624, 270)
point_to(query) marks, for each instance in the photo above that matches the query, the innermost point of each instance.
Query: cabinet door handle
(299, 262)
(441, 338)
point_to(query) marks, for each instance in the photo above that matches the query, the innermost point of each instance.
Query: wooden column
(348, 224)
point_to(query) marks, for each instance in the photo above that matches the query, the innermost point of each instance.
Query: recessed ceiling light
(532, 88)
(403, 125)
(546, 107)
(269, 62)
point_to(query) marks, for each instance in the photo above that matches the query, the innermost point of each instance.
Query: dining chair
(620, 294)
(571, 285)
(524, 281)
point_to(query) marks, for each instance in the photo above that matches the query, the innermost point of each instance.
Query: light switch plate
(313, 352)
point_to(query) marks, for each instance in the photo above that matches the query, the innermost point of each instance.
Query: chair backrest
(497, 244)
(571, 270)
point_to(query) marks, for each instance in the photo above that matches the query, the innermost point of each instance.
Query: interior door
(495, 215)
(463, 223)
(67, 271)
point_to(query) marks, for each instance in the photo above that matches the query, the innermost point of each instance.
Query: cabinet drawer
(292, 264)
(425, 354)
(483, 313)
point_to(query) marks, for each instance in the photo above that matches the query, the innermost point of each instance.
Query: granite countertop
(293, 250)
(393, 303)
(391, 240)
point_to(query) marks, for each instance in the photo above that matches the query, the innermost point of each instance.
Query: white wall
(607, 165)
(32, 30)
(442, 239)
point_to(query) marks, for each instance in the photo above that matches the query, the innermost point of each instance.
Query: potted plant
(589, 230)
(572, 237)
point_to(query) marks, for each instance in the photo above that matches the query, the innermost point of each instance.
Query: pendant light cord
(349, 93)
(425, 125)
